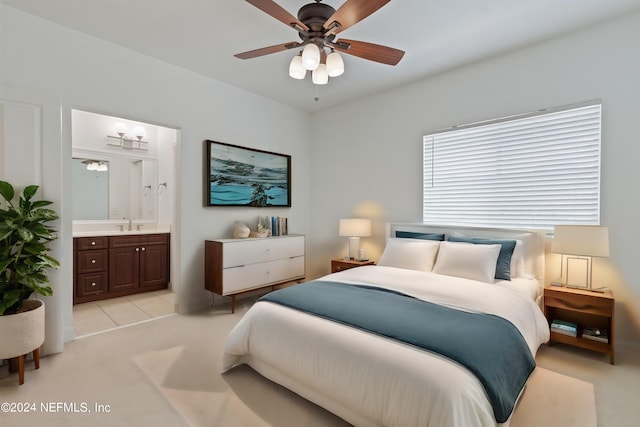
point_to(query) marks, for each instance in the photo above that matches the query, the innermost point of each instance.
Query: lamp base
(354, 247)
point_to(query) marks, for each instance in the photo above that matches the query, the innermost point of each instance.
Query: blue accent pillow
(503, 266)
(423, 236)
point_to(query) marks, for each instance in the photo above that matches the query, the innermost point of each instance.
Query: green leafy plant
(24, 258)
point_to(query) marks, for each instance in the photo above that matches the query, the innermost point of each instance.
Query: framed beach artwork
(240, 176)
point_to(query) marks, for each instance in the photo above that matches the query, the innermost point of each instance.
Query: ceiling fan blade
(272, 8)
(266, 50)
(352, 12)
(370, 51)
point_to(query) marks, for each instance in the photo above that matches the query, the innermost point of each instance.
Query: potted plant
(24, 261)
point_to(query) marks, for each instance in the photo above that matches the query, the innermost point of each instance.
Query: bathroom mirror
(110, 187)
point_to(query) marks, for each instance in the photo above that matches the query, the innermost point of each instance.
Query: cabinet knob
(137, 249)
(144, 249)
(93, 243)
(93, 283)
(93, 261)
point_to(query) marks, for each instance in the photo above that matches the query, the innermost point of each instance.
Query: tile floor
(100, 316)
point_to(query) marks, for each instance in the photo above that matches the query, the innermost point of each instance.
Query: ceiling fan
(317, 25)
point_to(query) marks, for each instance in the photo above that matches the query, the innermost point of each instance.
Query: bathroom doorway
(123, 188)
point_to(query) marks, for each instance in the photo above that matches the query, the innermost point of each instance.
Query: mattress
(371, 380)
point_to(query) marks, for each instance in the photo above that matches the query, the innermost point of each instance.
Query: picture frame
(242, 176)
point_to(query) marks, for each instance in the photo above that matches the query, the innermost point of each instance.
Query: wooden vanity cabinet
(113, 266)
(138, 262)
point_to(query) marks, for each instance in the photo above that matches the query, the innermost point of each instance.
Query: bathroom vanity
(115, 264)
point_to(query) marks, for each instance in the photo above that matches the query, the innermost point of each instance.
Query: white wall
(61, 69)
(372, 165)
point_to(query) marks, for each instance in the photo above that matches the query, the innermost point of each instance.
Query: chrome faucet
(130, 222)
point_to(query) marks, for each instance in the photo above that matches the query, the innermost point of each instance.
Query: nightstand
(587, 309)
(341, 264)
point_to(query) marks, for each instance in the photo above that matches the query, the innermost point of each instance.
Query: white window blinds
(533, 171)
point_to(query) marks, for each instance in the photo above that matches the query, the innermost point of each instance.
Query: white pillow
(476, 262)
(412, 254)
(517, 266)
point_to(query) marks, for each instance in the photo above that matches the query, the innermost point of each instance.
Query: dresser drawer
(89, 284)
(244, 252)
(92, 261)
(88, 243)
(257, 275)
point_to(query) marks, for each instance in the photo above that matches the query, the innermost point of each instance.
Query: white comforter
(370, 380)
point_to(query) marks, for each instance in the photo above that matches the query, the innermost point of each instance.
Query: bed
(407, 374)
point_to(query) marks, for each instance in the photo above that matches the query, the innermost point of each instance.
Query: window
(532, 171)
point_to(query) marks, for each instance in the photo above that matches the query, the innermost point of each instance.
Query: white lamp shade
(582, 240)
(319, 76)
(139, 132)
(296, 70)
(311, 56)
(120, 128)
(355, 227)
(335, 64)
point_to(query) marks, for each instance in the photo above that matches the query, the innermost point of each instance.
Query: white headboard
(533, 240)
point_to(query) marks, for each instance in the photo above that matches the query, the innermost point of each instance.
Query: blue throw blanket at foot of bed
(489, 346)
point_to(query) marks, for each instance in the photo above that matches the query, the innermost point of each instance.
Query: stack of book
(564, 327)
(278, 225)
(595, 334)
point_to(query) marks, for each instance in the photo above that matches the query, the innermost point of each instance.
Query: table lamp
(578, 244)
(354, 228)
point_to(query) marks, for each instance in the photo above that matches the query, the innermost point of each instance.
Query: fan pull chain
(316, 98)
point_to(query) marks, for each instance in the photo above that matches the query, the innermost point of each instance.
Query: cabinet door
(124, 268)
(154, 265)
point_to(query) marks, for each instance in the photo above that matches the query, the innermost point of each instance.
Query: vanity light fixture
(127, 142)
(96, 165)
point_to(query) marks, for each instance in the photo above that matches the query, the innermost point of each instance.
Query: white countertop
(97, 233)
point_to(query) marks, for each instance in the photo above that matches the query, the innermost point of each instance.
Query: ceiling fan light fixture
(311, 56)
(335, 64)
(296, 69)
(320, 76)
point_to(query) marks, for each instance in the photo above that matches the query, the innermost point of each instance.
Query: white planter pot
(22, 333)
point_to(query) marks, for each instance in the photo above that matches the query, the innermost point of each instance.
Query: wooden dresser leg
(36, 358)
(233, 303)
(21, 369)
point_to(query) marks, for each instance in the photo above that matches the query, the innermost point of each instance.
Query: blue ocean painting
(245, 177)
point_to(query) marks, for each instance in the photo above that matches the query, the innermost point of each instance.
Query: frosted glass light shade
(335, 64)
(296, 70)
(139, 132)
(583, 240)
(319, 76)
(311, 56)
(120, 129)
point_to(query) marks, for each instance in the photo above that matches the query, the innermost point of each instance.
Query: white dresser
(234, 266)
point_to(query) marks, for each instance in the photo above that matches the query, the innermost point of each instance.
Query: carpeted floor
(167, 373)
(550, 399)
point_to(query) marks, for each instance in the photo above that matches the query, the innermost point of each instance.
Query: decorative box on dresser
(586, 309)
(114, 266)
(340, 264)
(235, 266)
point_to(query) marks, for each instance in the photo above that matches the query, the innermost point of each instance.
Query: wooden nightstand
(587, 309)
(340, 264)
